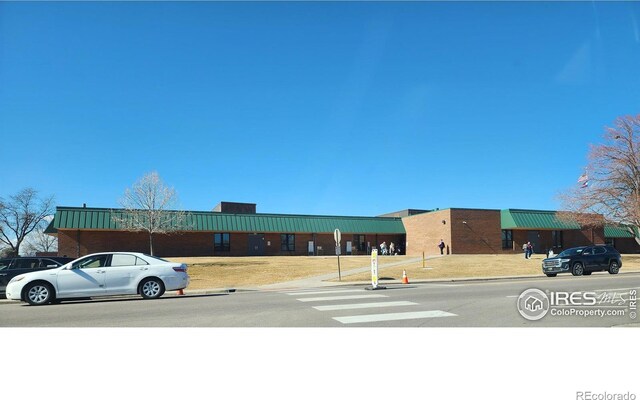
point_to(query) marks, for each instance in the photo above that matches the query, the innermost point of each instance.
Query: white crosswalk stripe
(324, 292)
(333, 298)
(342, 294)
(365, 305)
(354, 319)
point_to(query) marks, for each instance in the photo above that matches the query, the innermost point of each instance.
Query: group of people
(528, 251)
(527, 248)
(391, 250)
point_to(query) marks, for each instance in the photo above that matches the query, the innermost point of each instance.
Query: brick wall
(273, 245)
(424, 232)
(481, 234)
(519, 239)
(239, 246)
(545, 241)
(235, 208)
(584, 237)
(570, 238)
(80, 243)
(627, 245)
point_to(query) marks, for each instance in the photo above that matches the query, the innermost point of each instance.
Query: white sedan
(100, 274)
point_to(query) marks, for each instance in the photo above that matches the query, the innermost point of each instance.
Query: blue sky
(339, 108)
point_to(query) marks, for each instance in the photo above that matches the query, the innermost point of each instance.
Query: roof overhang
(535, 219)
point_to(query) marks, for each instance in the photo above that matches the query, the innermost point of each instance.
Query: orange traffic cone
(180, 292)
(404, 277)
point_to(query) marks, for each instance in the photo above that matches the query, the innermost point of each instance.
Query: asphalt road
(442, 304)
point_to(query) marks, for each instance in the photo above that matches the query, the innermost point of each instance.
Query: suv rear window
(26, 263)
(47, 262)
(4, 264)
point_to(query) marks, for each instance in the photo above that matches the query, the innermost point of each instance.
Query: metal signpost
(338, 236)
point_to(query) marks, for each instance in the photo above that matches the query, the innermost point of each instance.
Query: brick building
(464, 231)
(236, 229)
(222, 233)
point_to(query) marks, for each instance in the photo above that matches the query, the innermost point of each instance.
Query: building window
(507, 239)
(221, 242)
(361, 242)
(287, 242)
(556, 238)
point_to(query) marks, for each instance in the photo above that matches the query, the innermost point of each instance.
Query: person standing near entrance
(441, 246)
(524, 248)
(529, 249)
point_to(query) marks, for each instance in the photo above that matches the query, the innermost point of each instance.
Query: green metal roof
(617, 231)
(50, 229)
(534, 219)
(101, 218)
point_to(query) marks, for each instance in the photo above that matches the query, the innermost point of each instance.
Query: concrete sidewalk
(315, 282)
(321, 280)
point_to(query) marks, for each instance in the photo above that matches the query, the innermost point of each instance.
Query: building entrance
(256, 244)
(534, 238)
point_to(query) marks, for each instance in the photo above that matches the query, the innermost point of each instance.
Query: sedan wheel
(613, 267)
(577, 269)
(39, 293)
(151, 288)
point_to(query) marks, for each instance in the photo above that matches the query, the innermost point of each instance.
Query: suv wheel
(577, 269)
(614, 267)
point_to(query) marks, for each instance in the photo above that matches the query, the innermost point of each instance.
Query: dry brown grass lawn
(224, 272)
(227, 272)
(472, 266)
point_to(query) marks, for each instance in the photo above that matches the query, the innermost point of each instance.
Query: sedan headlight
(17, 278)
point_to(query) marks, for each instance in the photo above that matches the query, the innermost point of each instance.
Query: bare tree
(38, 241)
(5, 252)
(20, 215)
(611, 183)
(149, 206)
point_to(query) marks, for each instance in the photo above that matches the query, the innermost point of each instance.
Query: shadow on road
(84, 300)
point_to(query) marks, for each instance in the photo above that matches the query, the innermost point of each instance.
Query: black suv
(10, 267)
(583, 261)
